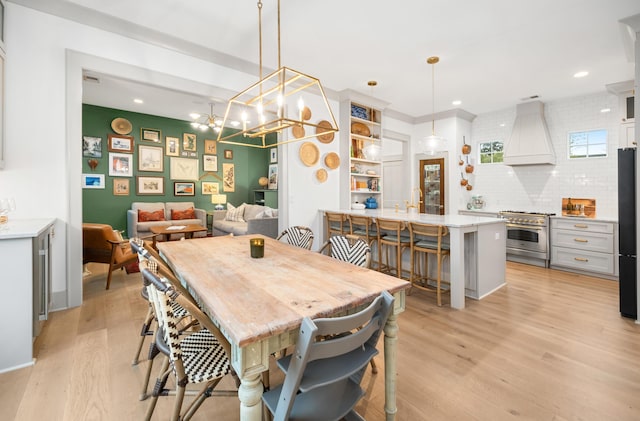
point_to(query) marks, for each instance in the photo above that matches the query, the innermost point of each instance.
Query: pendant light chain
(432, 61)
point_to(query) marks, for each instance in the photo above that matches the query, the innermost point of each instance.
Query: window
(588, 144)
(491, 152)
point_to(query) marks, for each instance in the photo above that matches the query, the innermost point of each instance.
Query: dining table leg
(390, 369)
(250, 395)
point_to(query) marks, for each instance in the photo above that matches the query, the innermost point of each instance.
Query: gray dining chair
(323, 375)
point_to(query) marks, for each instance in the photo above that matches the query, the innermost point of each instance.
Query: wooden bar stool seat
(364, 227)
(337, 224)
(428, 240)
(392, 234)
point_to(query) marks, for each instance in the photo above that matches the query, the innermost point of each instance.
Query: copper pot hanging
(464, 181)
(469, 168)
(466, 149)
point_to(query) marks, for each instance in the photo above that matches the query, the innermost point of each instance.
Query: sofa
(250, 219)
(144, 215)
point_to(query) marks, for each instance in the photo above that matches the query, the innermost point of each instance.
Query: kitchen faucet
(413, 204)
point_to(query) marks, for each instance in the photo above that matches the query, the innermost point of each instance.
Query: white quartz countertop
(453, 220)
(25, 228)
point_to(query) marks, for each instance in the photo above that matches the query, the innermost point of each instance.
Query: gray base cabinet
(584, 246)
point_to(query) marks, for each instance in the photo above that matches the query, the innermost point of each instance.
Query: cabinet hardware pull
(581, 225)
(580, 240)
(581, 259)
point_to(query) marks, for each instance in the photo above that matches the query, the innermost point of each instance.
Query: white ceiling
(492, 53)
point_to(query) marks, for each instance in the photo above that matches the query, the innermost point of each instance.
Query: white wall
(542, 187)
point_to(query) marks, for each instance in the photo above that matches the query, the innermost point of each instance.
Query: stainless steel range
(527, 237)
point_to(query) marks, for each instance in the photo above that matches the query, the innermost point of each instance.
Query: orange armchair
(101, 245)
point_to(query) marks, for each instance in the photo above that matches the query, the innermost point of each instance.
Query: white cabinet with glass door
(432, 186)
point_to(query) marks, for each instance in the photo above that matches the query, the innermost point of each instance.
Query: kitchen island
(477, 247)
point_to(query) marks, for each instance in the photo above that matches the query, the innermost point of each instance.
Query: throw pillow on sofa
(144, 216)
(235, 214)
(267, 213)
(183, 214)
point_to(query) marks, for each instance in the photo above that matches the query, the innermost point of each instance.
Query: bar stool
(392, 238)
(364, 227)
(427, 239)
(336, 223)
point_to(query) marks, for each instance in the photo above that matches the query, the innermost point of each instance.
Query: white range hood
(530, 143)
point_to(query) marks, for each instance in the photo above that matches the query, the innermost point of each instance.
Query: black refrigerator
(627, 231)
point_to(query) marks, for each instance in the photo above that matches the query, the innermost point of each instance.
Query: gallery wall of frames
(131, 157)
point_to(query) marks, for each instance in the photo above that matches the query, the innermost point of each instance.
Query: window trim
(606, 144)
(491, 153)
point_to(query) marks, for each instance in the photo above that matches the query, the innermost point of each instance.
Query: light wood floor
(549, 346)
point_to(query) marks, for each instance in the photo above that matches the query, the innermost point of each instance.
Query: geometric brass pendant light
(287, 103)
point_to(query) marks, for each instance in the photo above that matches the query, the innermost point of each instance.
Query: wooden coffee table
(166, 231)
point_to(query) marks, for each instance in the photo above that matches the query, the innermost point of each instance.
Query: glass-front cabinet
(432, 186)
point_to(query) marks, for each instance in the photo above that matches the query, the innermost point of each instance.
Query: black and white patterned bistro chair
(348, 248)
(147, 261)
(298, 236)
(201, 357)
(322, 376)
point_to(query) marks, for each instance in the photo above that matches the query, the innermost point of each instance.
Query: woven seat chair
(390, 235)
(365, 227)
(298, 236)
(337, 223)
(147, 261)
(201, 357)
(348, 248)
(427, 239)
(323, 375)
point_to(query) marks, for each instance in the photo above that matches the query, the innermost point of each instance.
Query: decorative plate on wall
(332, 160)
(298, 131)
(309, 154)
(306, 113)
(327, 137)
(121, 125)
(321, 175)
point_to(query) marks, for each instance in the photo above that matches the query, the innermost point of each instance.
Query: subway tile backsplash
(542, 187)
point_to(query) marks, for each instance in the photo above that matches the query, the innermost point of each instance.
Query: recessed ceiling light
(581, 74)
(138, 101)
(456, 102)
(605, 110)
(501, 124)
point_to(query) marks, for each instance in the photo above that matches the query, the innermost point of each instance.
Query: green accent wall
(102, 206)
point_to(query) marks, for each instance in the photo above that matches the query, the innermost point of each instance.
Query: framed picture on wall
(152, 135)
(210, 163)
(210, 188)
(119, 143)
(92, 146)
(273, 177)
(184, 169)
(210, 147)
(93, 181)
(228, 178)
(120, 165)
(121, 187)
(150, 158)
(172, 146)
(273, 155)
(228, 154)
(182, 188)
(189, 142)
(149, 185)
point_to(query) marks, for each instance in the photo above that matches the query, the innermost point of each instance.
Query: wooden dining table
(259, 303)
